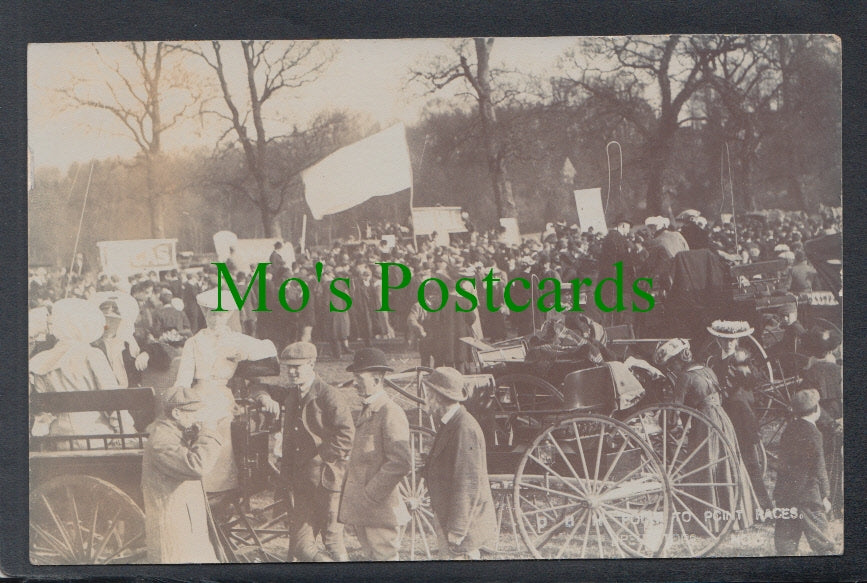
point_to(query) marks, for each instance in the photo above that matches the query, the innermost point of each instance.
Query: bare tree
(443, 73)
(270, 68)
(148, 94)
(745, 83)
(627, 69)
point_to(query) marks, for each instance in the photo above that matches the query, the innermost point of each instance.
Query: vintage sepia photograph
(435, 299)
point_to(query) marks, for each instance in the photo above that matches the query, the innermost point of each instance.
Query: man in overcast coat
(379, 460)
(456, 471)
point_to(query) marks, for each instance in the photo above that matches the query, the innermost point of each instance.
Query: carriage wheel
(82, 520)
(703, 471)
(419, 537)
(759, 357)
(773, 410)
(589, 487)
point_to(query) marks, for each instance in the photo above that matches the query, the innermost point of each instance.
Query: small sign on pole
(588, 202)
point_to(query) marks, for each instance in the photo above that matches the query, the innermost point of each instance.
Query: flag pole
(78, 234)
(412, 188)
(303, 231)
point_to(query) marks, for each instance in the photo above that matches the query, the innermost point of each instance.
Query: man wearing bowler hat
(379, 460)
(457, 470)
(317, 439)
(802, 481)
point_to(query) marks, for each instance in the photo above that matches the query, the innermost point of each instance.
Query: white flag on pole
(375, 166)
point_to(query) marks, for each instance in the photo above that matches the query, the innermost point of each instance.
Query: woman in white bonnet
(74, 365)
(208, 361)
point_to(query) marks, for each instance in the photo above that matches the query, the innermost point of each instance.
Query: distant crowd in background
(565, 252)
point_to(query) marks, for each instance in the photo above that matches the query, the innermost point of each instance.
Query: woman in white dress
(208, 361)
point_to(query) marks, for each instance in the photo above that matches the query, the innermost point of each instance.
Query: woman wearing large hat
(73, 364)
(208, 361)
(697, 386)
(727, 335)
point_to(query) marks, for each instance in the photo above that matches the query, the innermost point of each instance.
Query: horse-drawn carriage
(596, 464)
(86, 503)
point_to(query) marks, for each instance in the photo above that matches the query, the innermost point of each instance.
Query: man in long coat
(802, 481)
(379, 460)
(317, 438)
(456, 471)
(178, 528)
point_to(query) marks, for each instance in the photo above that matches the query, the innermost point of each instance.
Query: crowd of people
(160, 330)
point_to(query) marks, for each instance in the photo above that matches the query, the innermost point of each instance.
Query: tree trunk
(158, 227)
(154, 199)
(271, 223)
(658, 153)
(503, 196)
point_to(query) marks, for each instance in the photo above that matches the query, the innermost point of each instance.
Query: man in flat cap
(802, 481)
(379, 460)
(317, 439)
(457, 471)
(182, 448)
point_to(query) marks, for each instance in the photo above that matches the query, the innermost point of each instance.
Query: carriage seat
(606, 388)
(140, 401)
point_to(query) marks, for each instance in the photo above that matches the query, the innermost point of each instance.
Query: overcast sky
(367, 76)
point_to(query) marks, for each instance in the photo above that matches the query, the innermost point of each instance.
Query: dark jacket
(379, 460)
(457, 478)
(801, 479)
(319, 449)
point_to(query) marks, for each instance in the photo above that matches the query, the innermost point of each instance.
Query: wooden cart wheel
(703, 471)
(773, 411)
(759, 358)
(82, 520)
(589, 487)
(419, 537)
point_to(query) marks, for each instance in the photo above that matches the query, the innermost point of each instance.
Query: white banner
(512, 236)
(590, 211)
(132, 256)
(375, 166)
(247, 251)
(441, 220)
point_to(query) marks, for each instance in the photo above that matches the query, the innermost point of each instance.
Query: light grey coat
(176, 508)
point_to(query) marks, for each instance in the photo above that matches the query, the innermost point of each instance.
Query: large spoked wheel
(82, 520)
(419, 539)
(773, 411)
(703, 471)
(589, 487)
